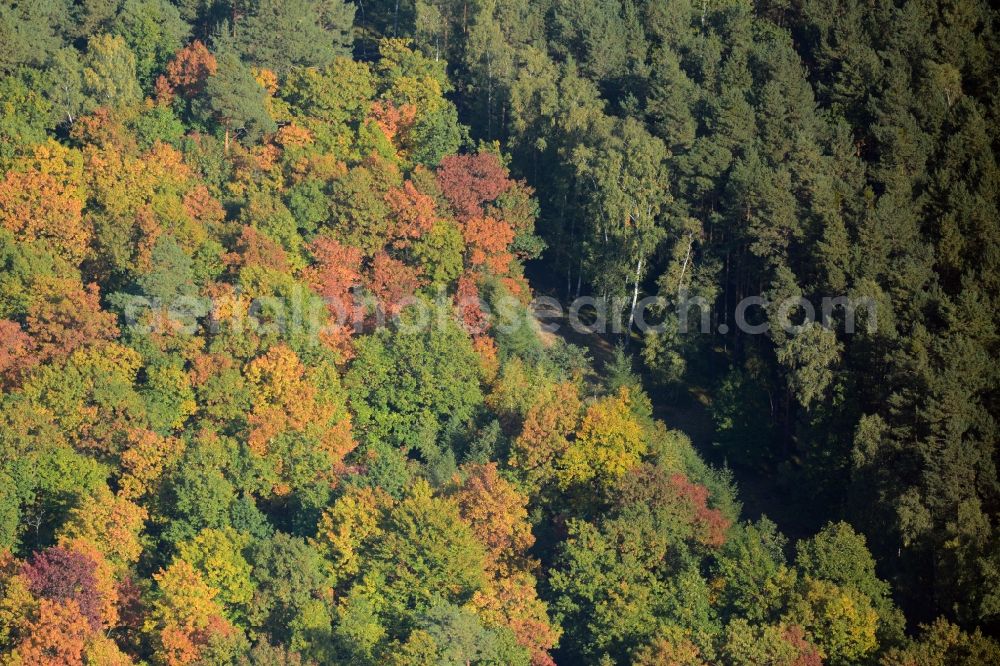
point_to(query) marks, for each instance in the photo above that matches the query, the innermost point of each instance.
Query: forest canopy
(273, 387)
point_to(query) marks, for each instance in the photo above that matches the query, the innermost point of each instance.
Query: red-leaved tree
(469, 181)
(62, 575)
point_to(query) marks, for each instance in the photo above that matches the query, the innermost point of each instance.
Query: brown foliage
(469, 181)
(66, 316)
(498, 514)
(203, 207)
(187, 72)
(468, 302)
(414, 213)
(545, 434)
(336, 270)
(15, 352)
(255, 249)
(392, 282)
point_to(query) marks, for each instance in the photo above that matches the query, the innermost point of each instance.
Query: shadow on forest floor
(687, 409)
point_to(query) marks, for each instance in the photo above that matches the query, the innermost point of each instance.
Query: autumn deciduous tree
(144, 461)
(57, 637)
(65, 576)
(276, 381)
(335, 271)
(184, 616)
(202, 207)
(709, 524)
(36, 206)
(394, 121)
(15, 351)
(65, 316)
(469, 304)
(103, 650)
(497, 513)
(92, 395)
(286, 401)
(469, 181)
(840, 620)
(781, 645)
(840, 555)
(518, 207)
(671, 648)
(414, 213)
(17, 604)
(218, 556)
(512, 393)
(345, 528)
(679, 501)
(256, 249)
(392, 282)
(187, 72)
(942, 643)
(545, 436)
(439, 253)
(359, 212)
(512, 601)
(487, 244)
(112, 523)
(608, 443)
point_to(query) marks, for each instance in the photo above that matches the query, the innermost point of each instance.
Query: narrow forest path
(687, 413)
(686, 410)
(554, 323)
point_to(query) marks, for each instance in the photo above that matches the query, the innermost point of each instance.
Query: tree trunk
(687, 257)
(635, 299)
